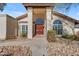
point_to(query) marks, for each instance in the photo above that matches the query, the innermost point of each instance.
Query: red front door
(39, 29)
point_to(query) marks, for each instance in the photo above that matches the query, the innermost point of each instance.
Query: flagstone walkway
(38, 46)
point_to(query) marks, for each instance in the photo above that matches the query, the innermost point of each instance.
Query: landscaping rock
(15, 51)
(63, 49)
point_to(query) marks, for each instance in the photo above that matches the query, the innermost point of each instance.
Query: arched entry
(39, 26)
(58, 27)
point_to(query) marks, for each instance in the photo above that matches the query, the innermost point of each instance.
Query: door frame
(39, 21)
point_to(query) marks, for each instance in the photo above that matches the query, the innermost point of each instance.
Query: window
(57, 26)
(77, 26)
(39, 21)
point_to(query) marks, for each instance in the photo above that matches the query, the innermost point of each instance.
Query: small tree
(2, 5)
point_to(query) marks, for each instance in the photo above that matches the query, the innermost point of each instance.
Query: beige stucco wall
(68, 26)
(23, 21)
(2, 26)
(8, 27)
(49, 17)
(48, 20)
(30, 23)
(11, 32)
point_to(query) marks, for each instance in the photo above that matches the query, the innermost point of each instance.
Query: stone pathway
(38, 45)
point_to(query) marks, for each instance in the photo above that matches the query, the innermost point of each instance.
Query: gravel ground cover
(63, 47)
(15, 51)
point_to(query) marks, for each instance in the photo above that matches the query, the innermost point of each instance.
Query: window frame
(25, 29)
(57, 25)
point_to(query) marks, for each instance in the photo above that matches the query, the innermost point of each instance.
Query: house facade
(36, 22)
(40, 18)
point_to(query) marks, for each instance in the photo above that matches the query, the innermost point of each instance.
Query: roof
(2, 15)
(66, 17)
(22, 16)
(38, 4)
(55, 13)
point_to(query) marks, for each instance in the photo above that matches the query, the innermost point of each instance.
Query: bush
(67, 36)
(51, 36)
(23, 34)
(76, 38)
(71, 37)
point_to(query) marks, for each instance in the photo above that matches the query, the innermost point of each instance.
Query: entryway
(39, 26)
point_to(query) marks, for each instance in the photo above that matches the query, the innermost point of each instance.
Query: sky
(17, 9)
(73, 11)
(14, 9)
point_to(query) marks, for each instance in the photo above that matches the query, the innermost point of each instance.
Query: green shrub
(51, 36)
(23, 34)
(67, 36)
(76, 38)
(71, 37)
